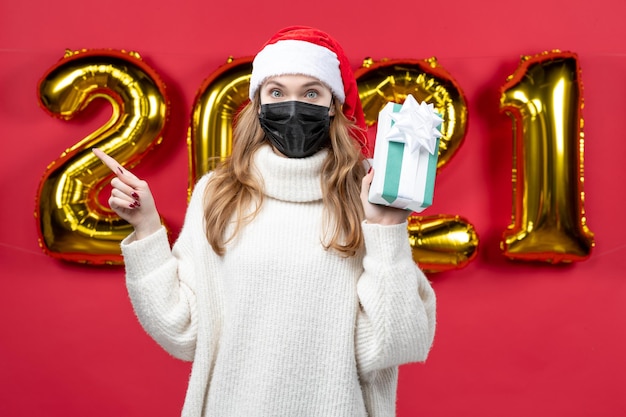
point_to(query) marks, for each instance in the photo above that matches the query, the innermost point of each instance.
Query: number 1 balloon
(544, 98)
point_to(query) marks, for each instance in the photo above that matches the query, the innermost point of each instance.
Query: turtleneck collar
(290, 179)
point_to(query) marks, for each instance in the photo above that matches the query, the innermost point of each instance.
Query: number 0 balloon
(544, 98)
(217, 101)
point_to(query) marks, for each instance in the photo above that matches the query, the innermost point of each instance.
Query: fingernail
(121, 170)
(135, 195)
(136, 203)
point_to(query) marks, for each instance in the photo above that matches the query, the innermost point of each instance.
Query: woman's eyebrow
(313, 84)
(305, 85)
(276, 83)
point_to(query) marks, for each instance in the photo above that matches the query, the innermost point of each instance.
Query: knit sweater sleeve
(396, 318)
(161, 281)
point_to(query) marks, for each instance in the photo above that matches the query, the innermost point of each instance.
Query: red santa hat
(309, 51)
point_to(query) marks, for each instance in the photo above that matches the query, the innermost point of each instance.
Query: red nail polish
(369, 170)
(135, 195)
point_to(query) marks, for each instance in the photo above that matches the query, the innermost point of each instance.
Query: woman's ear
(331, 108)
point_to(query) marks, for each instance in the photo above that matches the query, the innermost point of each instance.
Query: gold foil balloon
(392, 80)
(72, 224)
(544, 99)
(439, 242)
(442, 242)
(218, 100)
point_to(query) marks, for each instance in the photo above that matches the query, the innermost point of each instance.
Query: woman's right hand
(131, 198)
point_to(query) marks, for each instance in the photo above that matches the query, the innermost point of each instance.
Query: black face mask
(296, 129)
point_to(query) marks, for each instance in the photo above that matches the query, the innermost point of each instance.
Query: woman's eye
(275, 93)
(311, 94)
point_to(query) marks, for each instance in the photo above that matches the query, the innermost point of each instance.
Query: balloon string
(439, 57)
(33, 252)
(610, 251)
(20, 249)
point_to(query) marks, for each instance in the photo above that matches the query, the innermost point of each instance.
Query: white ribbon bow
(416, 125)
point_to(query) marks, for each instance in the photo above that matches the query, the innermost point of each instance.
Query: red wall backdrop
(513, 339)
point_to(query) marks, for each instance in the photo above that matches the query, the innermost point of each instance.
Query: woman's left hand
(376, 213)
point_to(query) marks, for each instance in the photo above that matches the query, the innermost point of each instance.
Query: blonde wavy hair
(235, 193)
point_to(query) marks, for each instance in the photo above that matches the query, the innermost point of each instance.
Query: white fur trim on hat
(297, 57)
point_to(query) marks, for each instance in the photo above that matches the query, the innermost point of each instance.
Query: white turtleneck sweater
(279, 326)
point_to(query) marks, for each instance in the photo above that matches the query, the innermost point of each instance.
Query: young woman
(289, 291)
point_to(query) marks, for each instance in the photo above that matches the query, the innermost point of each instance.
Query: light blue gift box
(402, 179)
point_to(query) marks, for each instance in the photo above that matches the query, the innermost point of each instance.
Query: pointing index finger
(113, 165)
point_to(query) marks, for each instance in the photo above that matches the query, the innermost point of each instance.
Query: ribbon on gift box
(414, 127)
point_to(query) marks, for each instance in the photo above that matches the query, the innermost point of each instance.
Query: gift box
(405, 155)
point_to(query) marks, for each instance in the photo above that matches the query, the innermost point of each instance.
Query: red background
(513, 339)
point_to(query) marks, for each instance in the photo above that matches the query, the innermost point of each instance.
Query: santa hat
(309, 51)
